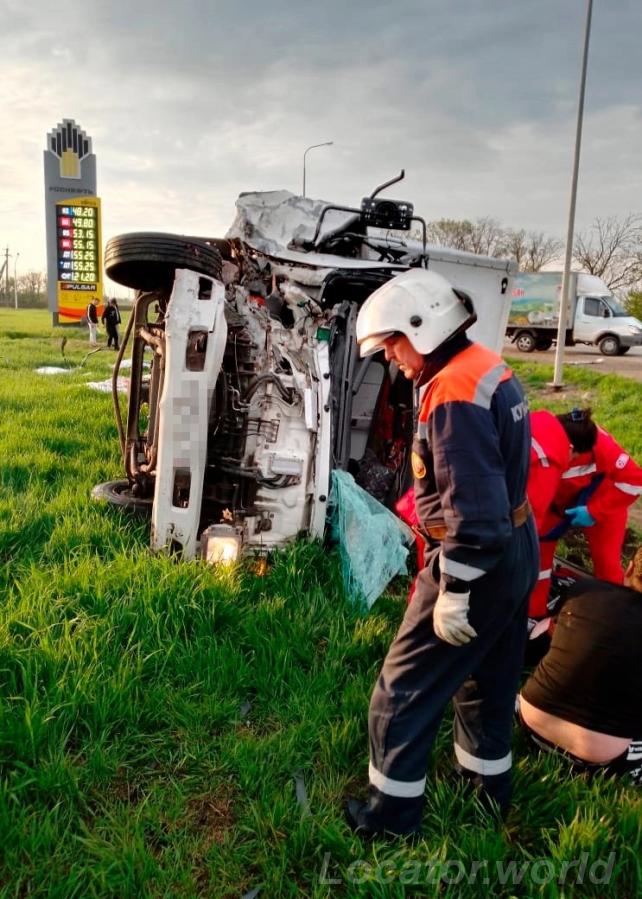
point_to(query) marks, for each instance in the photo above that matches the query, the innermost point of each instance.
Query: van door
(591, 314)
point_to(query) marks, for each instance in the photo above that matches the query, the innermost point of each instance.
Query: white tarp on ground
(105, 386)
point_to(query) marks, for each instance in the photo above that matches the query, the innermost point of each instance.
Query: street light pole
(15, 281)
(566, 280)
(327, 143)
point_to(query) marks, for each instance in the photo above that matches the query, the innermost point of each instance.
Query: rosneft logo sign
(71, 145)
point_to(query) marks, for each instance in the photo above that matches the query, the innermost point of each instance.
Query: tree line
(31, 290)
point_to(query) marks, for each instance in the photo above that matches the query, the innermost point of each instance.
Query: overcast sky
(190, 103)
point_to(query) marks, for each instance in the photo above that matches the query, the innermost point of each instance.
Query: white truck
(595, 316)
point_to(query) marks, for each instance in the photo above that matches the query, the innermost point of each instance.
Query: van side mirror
(605, 313)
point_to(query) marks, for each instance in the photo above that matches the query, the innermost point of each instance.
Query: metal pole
(566, 280)
(6, 273)
(327, 143)
(15, 281)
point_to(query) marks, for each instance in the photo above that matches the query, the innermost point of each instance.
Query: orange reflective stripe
(472, 376)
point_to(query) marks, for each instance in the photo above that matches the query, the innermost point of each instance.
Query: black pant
(421, 673)
(629, 762)
(112, 335)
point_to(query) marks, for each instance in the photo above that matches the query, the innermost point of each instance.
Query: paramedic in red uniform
(463, 634)
(579, 477)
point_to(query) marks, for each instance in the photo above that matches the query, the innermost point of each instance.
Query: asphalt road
(629, 366)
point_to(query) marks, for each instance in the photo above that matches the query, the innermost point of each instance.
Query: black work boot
(492, 793)
(385, 816)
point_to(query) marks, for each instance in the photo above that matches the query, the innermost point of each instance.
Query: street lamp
(566, 279)
(327, 143)
(15, 282)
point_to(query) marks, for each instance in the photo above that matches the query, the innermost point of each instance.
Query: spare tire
(147, 260)
(119, 493)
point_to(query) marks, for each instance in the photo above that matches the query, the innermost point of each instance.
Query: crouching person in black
(583, 699)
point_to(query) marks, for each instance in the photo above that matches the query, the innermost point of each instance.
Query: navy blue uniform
(470, 461)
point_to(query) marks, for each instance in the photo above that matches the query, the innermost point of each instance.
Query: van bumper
(630, 339)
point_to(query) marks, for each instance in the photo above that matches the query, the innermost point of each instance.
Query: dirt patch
(209, 817)
(126, 790)
(212, 812)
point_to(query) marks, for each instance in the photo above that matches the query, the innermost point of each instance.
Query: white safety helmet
(418, 303)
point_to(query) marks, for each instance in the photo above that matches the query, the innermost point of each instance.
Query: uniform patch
(519, 411)
(418, 466)
(621, 460)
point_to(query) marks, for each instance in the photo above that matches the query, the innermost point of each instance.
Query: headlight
(633, 329)
(220, 543)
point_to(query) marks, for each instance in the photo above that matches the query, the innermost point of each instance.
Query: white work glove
(450, 618)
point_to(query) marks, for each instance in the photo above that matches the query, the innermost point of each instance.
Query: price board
(78, 256)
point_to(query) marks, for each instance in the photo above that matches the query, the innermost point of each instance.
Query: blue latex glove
(580, 517)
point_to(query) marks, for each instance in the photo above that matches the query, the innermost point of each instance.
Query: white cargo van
(247, 389)
(595, 315)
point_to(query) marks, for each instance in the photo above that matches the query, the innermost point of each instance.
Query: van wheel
(609, 345)
(119, 493)
(525, 342)
(148, 260)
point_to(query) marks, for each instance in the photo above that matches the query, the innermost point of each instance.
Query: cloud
(190, 104)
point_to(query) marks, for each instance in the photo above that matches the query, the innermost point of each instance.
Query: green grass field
(158, 719)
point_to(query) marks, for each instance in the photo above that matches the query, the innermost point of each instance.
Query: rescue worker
(579, 477)
(463, 634)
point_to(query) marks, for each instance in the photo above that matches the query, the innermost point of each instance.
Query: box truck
(595, 316)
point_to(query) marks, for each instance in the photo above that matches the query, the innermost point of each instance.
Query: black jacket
(110, 316)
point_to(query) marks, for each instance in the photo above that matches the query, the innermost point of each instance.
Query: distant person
(579, 477)
(111, 319)
(92, 322)
(583, 699)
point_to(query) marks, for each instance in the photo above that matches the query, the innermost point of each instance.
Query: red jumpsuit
(554, 484)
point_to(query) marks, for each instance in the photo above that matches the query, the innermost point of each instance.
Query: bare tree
(487, 237)
(453, 233)
(32, 289)
(484, 236)
(531, 250)
(32, 283)
(612, 250)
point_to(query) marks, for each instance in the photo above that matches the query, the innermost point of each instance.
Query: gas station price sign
(78, 255)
